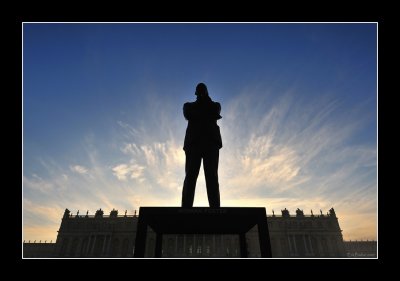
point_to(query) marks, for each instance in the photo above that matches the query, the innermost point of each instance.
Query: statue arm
(186, 110)
(218, 110)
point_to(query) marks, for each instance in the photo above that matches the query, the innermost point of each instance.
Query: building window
(208, 243)
(98, 245)
(171, 250)
(74, 247)
(189, 244)
(84, 247)
(115, 247)
(64, 247)
(218, 243)
(284, 248)
(335, 248)
(180, 243)
(125, 248)
(208, 250)
(314, 246)
(325, 250)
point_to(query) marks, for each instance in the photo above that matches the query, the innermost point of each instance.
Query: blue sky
(103, 124)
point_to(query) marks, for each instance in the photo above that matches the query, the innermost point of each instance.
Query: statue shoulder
(188, 104)
(218, 110)
(188, 110)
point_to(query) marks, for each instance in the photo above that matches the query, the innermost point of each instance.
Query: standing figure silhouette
(202, 141)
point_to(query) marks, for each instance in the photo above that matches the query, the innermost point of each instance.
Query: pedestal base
(200, 220)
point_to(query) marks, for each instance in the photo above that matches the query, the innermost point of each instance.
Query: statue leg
(210, 163)
(192, 168)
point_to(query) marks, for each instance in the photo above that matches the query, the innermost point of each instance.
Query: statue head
(201, 90)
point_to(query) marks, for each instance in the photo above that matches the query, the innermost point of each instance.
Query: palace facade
(361, 249)
(113, 236)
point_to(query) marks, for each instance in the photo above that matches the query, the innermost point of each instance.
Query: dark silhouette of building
(113, 235)
(361, 249)
(39, 249)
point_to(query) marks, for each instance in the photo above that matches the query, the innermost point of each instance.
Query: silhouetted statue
(66, 214)
(332, 212)
(285, 213)
(114, 213)
(202, 141)
(299, 213)
(99, 213)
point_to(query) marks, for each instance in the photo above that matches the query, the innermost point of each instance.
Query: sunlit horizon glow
(103, 122)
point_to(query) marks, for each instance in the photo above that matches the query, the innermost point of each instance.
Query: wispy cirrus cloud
(160, 163)
(133, 171)
(35, 182)
(79, 169)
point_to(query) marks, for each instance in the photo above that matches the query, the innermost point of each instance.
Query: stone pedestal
(200, 220)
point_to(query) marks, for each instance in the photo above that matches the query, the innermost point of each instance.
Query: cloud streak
(79, 169)
(123, 171)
